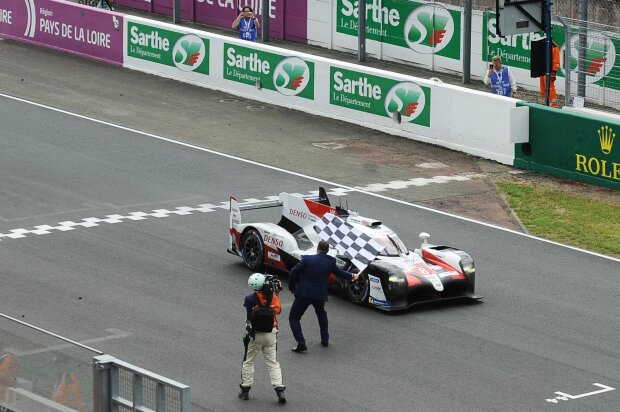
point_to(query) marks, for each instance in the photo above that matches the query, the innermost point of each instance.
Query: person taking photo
(247, 23)
(501, 78)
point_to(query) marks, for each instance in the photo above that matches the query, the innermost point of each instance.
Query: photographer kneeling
(262, 306)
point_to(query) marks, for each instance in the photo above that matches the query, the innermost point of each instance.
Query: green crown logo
(606, 135)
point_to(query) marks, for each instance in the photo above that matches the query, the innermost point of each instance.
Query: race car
(397, 278)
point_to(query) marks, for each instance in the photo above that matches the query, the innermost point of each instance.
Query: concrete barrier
(69, 27)
(565, 143)
(457, 118)
(572, 145)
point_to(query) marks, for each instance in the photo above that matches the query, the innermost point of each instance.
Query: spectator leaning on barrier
(501, 78)
(247, 23)
(262, 306)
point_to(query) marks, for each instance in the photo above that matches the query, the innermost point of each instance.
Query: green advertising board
(571, 145)
(290, 76)
(426, 28)
(380, 96)
(601, 67)
(515, 50)
(187, 52)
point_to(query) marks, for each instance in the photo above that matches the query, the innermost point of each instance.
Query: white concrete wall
(461, 119)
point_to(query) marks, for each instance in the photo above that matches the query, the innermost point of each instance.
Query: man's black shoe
(245, 392)
(300, 348)
(280, 393)
(324, 344)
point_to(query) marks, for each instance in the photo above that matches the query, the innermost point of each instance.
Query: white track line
(157, 213)
(72, 342)
(316, 179)
(115, 334)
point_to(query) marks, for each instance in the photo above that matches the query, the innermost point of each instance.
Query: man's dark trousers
(300, 304)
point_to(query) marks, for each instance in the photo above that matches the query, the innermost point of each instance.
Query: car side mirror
(424, 236)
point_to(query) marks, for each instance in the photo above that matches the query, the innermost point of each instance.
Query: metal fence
(606, 12)
(591, 72)
(120, 386)
(599, 11)
(41, 371)
(44, 372)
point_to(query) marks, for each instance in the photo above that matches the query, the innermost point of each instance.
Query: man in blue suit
(308, 281)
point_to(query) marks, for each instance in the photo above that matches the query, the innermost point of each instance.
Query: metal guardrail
(24, 400)
(121, 386)
(41, 371)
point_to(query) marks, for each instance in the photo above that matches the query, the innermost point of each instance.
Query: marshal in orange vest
(8, 373)
(67, 392)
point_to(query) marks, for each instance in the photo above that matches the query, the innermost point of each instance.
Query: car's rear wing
(261, 204)
(236, 207)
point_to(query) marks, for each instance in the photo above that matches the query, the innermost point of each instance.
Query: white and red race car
(397, 278)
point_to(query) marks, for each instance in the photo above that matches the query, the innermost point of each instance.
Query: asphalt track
(548, 321)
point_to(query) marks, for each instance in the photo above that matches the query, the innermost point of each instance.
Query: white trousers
(266, 343)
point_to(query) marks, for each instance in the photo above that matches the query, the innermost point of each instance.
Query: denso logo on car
(273, 241)
(298, 213)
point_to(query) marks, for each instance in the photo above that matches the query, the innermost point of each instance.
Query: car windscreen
(392, 244)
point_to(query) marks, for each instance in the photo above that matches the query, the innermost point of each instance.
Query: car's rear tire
(252, 250)
(358, 291)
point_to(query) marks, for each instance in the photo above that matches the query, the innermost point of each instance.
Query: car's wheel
(358, 291)
(252, 249)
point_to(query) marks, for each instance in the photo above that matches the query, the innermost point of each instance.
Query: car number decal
(422, 270)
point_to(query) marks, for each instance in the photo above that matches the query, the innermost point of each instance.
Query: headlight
(468, 267)
(397, 284)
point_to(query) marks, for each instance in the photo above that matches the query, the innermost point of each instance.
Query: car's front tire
(358, 291)
(253, 250)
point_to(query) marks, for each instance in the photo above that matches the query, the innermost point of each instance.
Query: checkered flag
(348, 241)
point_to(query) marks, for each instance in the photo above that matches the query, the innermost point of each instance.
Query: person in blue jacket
(247, 23)
(501, 78)
(308, 281)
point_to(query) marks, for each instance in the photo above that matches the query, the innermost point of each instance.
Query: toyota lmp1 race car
(397, 278)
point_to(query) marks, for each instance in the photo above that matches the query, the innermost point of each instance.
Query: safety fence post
(102, 383)
(176, 11)
(265, 21)
(118, 385)
(361, 32)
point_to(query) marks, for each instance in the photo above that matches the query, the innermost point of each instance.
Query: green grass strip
(566, 218)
